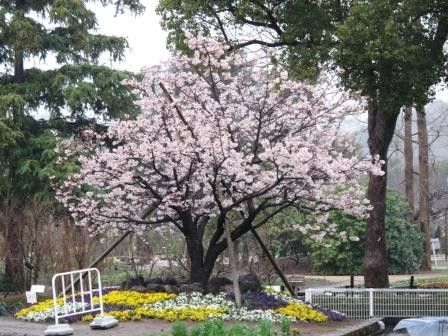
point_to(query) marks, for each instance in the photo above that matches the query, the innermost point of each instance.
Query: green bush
(335, 256)
(6, 284)
(404, 242)
(217, 328)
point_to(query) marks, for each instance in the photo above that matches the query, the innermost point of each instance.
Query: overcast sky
(147, 40)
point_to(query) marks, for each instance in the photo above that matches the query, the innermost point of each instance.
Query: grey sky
(147, 41)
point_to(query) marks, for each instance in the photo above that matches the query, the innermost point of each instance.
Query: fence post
(370, 302)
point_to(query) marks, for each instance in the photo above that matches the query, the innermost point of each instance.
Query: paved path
(11, 327)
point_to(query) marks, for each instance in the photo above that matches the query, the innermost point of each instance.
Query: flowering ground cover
(131, 306)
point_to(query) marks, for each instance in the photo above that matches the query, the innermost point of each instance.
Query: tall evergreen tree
(61, 32)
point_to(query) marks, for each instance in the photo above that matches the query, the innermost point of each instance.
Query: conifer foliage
(71, 86)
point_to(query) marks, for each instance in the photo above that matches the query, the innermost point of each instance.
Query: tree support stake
(273, 262)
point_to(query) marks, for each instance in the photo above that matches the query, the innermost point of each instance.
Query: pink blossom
(218, 133)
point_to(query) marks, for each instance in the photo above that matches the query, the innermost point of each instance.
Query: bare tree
(424, 205)
(409, 158)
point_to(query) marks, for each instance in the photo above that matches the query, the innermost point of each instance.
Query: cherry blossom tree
(222, 139)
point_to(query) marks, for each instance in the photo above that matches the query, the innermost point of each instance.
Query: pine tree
(59, 32)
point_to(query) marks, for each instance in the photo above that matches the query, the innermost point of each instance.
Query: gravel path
(12, 327)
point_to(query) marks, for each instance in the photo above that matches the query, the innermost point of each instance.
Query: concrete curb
(366, 328)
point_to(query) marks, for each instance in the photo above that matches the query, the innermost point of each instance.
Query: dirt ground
(344, 280)
(11, 327)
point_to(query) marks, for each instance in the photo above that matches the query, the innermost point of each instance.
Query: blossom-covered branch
(220, 138)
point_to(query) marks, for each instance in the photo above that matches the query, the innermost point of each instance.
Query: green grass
(417, 281)
(11, 303)
(217, 328)
(111, 276)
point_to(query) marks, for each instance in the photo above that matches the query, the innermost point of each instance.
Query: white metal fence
(79, 299)
(363, 303)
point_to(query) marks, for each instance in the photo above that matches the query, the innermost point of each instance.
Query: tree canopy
(390, 51)
(222, 138)
(301, 31)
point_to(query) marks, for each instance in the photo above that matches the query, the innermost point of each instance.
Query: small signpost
(31, 295)
(37, 288)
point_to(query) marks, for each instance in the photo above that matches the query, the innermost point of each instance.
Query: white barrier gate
(74, 278)
(78, 284)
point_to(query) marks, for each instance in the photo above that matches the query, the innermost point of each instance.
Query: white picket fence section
(75, 282)
(363, 303)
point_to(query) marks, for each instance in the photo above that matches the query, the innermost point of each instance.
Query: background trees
(390, 51)
(382, 54)
(74, 88)
(334, 255)
(221, 140)
(300, 31)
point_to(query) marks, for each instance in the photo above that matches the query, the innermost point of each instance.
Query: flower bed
(302, 312)
(130, 305)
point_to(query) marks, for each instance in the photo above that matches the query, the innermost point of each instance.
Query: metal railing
(363, 303)
(78, 284)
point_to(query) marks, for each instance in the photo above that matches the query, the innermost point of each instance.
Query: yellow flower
(38, 307)
(131, 298)
(302, 312)
(87, 318)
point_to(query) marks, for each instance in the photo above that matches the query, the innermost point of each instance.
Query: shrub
(217, 328)
(259, 300)
(403, 238)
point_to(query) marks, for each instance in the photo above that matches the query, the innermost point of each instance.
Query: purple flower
(259, 300)
(331, 314)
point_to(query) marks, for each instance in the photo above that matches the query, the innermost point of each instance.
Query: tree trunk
(375, 258)
(200, 271)
(14, 260)
(19, 72)
(409, 159)
(14, 267)
(381, 126)
(424, 206)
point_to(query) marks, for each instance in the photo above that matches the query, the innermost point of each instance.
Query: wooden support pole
(100, 258)
(273, 262)
(233, 266)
